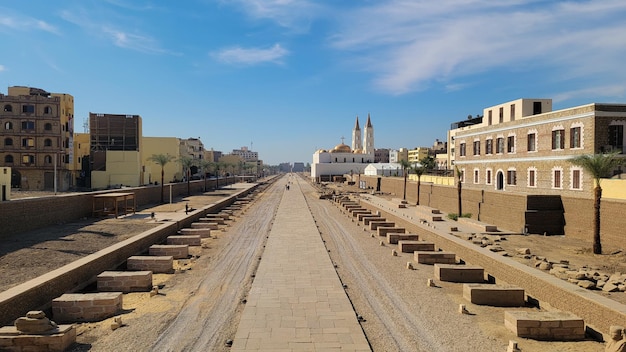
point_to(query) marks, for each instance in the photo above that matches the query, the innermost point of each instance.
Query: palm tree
(161, 159)
(217, 166)
(419, 170)
(204, 166)
(459, 176)
(599, 166)
(187, 162)
(405, 167)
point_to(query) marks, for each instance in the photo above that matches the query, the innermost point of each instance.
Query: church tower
(356, 136)
(368, 141)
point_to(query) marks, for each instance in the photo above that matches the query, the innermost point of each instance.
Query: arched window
(47, 159)
(8, 108)
(47, 127)
(47, 110)
(47, 142)
(8, 159)
(8, 125)
(8, 141)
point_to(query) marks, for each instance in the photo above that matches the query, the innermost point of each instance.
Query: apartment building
(417, 154)
(523, 146)
(36, 133)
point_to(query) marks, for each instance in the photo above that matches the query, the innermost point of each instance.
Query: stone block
(215, 219)
(432, 257)
(61, 339)
(477, 224)
(407, 244)
(494, 295)
(125, 281)
(204, 233)
(383, 231)
(361, 217)
(547, 326)
(205, 225)
(374, 225)
(190, 240)
(177, 251)
(368, 220)
(86, 307)
(394, 238)
(459, 273)
(161, 264)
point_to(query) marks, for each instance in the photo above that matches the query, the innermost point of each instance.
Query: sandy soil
(199, 308)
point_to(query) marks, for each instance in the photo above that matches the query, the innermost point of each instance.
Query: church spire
(356, 136)
(369, 123)
(368, 139)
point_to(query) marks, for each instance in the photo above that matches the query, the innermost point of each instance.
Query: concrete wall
(507, 210)
(21, 215)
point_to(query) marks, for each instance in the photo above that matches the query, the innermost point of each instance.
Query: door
(500, 181)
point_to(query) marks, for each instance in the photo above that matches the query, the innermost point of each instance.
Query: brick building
(36, 133)
(523, 146)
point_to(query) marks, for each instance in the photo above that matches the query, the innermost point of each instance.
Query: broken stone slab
(586, 284)
(35, 322)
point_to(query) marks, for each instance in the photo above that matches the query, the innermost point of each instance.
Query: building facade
(395, 156)
(36, 133)
(523, 146)
(417, 154)
(381, 155)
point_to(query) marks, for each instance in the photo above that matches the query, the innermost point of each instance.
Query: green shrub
(455, 216)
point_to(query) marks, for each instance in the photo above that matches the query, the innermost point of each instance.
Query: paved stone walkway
(297, 302)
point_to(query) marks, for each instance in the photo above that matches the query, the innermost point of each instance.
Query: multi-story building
(192, 147)
(395, 156)
(115, 150)
(246, 154)
(417, 154)
(36, 133)
(381, 155)
(523, 146)
(212, 155)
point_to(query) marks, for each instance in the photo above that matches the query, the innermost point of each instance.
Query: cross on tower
(342, 138)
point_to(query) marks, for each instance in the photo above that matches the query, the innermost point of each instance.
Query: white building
(383, 169)
(342, 159)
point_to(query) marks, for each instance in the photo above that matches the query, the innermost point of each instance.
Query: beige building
(172, 171)
(395, 156)
(523, 146)
(36, 133)
(80, 163)
(417, 154)
(115, 151)
(5, 184)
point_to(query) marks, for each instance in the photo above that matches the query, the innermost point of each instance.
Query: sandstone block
(459, 273)
(494, 295)
(431, 257)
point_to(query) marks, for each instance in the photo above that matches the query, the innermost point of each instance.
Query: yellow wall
(438, 180)
(5, 183)
(81, 149)
(613, 188)
(122, 168)
(165, 146)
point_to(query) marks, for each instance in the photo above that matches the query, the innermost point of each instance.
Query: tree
(217, 167)
(162, 160)
(459, 176)
(419, 170)
(187, 162)
(599, 166)
(405, 167)
(205, 165)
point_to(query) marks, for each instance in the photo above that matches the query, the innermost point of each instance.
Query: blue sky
(287, 77)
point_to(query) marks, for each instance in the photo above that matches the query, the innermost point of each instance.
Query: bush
(455, 216)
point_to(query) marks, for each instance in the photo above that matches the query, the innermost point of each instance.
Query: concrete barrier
(86, 307)
(548, 326)
(459, 273)
(410, 246)
(494, 295)
(431, 257)
(124, 281)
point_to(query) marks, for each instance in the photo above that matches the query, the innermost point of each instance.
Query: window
(574, 137)
(558, 139)
(8, 159)
(28, 125)
(511, 177)
(476, 147)
(47, 142)
(510, 144)
(532, 142)
(29, 109)
(557, 178)
(28, 159)
(532, 177)
(490, 118)
(501, 115)
(47, 127)
(500, 145)
(512, 112)
(47, 159)
(8, 125)
(576, 178)
(476, 178)
(28, 142)
(489, 146)
(8, 108)
(536, 107)
(47, 110)
(488, 176)
(462, 149)
(8, 141)
(616, 136)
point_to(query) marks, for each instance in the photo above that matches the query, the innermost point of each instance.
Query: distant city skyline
(286, 78)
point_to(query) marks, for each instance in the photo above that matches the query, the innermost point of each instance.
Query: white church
(343, 160)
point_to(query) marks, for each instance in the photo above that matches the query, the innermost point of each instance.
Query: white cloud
(411, 44)
(25, 23)
(2, 68)
(615, 90)
(296, 15)
(251, 56)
